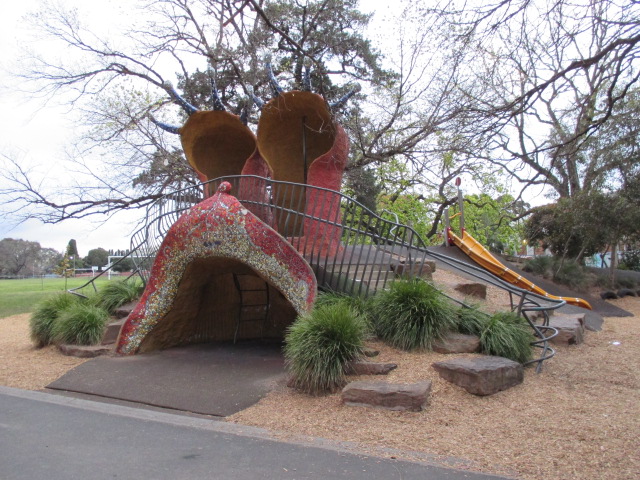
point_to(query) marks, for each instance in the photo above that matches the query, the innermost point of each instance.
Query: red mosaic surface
(217, 227)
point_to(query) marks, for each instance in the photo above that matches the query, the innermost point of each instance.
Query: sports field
(20, 296)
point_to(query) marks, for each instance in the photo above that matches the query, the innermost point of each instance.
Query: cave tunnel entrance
(221, 300)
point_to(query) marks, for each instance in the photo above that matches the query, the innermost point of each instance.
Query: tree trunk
(614, 263)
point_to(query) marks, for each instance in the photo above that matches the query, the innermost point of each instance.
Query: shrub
(45, 316)
(471, 320)
(319, 345)
(360, 305)
(541, 265)
(572, 274)
(117, 293)
(630, 260)
(412, 314)
(507, 335)
(80, 324)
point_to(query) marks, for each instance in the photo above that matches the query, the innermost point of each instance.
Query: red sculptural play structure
(219, 253)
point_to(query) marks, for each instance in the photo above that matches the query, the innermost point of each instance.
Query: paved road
(45, 436)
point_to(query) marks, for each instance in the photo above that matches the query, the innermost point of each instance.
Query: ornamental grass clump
(508, 335)
(45, 316)
(412, 314)
(361, 306)
(117, 293)
(320, 344)
(471, 320)
(80, 324)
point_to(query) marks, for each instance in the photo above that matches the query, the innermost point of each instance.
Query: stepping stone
(85, 351)
(390, 396)
(370, 352)
(361, 367)
(483, 375)
(593, 321)
(457, 343)
(626, 292)
(570, 329)
(422, 269)
(473, 289)
(112, 331)
(608, 295)
(124, 310)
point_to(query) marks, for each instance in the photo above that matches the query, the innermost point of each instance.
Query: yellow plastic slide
(482, 257)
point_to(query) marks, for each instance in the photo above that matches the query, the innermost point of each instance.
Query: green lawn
(20, 296)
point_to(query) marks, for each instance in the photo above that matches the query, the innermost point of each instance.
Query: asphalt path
(45, 436)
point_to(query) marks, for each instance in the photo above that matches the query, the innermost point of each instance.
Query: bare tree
(553, 75)
(118, 89)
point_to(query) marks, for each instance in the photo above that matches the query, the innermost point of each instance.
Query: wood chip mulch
(578, 419)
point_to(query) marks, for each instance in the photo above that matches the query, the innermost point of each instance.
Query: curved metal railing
(350, 248)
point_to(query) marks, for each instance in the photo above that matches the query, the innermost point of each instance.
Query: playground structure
(480, 255)
(241, 255)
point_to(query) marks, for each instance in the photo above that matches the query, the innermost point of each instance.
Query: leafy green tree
(494, 222)
(65, 269)
(589, 223)
(97, 257)
(124, 265)
(18, 257)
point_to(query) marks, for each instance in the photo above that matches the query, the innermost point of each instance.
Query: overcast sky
(36, 133)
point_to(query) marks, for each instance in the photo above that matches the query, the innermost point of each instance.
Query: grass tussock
(118, 293)
(471, 320)
(80, 324)
(411, 314)
(45, 316)
(508, 335)
(320, 344)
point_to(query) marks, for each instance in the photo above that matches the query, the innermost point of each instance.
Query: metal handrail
(368, 250)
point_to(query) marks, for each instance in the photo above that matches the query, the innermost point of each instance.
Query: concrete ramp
(210, 379)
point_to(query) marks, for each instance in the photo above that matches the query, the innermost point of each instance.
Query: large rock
(361, 367)
(123, 311)
(626, 292)
(391, 396)
(457, 343)
(112, 331)
(472, 289)
(593, 321)
(85, 351)
(570, 329)
(419, 269)
(483, 375)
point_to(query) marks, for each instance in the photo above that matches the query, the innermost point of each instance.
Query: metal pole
(461, 210)
(304, 148)
(447, 226)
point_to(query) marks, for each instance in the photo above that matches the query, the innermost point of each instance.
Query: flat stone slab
(472, 289)
(422, 269)
(457, 343)
(370, 352)
(85, 351)
(593, 321)
(124, 310)
(484, 375)
(570, 329)
(361, 367)
(112, 331)
(390, 396)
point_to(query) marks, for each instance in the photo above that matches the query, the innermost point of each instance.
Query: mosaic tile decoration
(217, 227)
